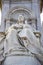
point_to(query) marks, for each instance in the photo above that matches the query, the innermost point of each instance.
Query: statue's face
(20, 18)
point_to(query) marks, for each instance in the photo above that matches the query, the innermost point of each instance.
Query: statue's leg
(21, 60)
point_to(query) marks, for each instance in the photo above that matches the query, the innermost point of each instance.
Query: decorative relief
(14, 12)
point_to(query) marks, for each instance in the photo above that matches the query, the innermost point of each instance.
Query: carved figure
(20, 45)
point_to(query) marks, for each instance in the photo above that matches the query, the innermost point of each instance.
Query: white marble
(19, 45)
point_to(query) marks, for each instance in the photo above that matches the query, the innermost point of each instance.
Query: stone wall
(30, 4)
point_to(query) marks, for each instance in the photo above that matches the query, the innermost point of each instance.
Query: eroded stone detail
(20, 43)
(21, 40)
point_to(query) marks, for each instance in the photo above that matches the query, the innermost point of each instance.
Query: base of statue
(21, 60)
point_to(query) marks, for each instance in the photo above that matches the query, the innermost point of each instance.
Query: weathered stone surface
(26, 44)
(21, 43)
(21, 60)
(29, 4)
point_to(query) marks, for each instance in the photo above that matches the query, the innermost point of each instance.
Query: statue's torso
(12, 44)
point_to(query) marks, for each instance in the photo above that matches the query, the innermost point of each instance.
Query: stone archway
(20, 10)
(14, 12)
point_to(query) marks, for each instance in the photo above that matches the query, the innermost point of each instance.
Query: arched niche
(12, 15)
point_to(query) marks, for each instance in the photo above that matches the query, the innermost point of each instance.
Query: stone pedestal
(21, 60)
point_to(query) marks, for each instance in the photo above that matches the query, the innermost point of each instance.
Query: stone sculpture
(21, 46)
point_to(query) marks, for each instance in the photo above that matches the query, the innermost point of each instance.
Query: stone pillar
(5, 9)
(36, 10)
(42, 35)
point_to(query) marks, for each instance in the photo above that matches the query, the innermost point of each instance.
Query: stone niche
(31, 5)
(16, 7)
(14, 12)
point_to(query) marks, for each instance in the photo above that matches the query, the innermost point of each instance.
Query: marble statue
(21, 46)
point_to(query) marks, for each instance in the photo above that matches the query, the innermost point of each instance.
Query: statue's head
(20, 19)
